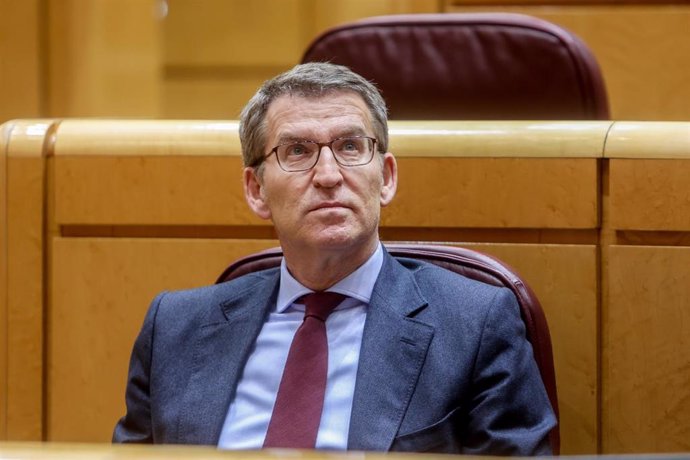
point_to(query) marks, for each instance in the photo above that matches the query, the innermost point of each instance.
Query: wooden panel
(213, 96)
(20, 66)
(218, 52)
(102, 288)
(90, 310)
(632, 42)
(236, 33)
(516, 139)
(4, 138)
(104, 58)
(560, 2)
(71, 451)
(151, 190)
(336, 12)
(25, 312)
(535, 193)
(646, 350)
(146, 137)
(126, 173)
(499, 139)
(138, 173)
(564, 277)
(506, 192)
(24, 278)
(647, 140)
(649, 194)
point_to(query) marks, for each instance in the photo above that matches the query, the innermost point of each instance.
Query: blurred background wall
(204, 58)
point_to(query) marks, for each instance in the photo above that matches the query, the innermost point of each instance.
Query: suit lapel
(394, 347)
(222, 349)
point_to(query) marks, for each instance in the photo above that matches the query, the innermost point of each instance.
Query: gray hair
(315, 79)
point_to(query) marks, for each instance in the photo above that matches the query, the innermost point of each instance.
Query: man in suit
(418, 358)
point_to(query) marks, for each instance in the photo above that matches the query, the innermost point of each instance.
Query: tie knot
(321, 304)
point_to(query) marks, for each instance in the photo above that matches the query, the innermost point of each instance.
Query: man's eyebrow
(352, 131)
(348, 131)
(283, 139)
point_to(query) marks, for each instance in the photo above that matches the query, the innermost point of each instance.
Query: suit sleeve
(510, 413)
(135, 426)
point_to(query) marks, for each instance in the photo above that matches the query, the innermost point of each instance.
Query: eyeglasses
(303, 155)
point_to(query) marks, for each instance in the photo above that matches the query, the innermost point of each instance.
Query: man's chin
(334, 237)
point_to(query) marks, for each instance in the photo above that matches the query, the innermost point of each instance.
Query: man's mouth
(328, 205)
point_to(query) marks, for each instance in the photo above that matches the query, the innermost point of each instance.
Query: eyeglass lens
(348, 151)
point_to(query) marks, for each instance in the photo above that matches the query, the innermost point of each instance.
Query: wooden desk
(22, 277)
(101, 215)
(66, 451)
(62, 451)
(646, 288)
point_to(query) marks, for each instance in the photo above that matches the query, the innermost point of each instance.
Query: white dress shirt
(250, 411)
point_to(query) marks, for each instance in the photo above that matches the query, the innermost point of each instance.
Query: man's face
(329, 207)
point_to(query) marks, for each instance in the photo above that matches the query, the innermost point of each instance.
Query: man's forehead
(342, 110)
(348, 97)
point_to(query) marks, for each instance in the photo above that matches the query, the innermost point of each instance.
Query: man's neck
(320, 269)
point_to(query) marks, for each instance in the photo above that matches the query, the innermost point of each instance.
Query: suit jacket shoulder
(187, 359)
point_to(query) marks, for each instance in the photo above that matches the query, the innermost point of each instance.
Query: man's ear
(254, 193)
(390, 179)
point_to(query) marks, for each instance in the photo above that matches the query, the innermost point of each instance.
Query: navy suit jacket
(444, 365)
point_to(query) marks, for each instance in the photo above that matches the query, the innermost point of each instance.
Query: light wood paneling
(641, 48)
(116, 172)
(534, 193)
(560, 2)
(489, 192)
(218, 52)
(4, 138)
(151, 191)
(25, 300)
(648, 140)
(214, 33)
(72, 451)
(332, 13)
(176, 185)
(213, 96)
(23, 258)
(564, 277)
(650, 194)
(503, 139)
(119, 172)
(104, 58)
(146, 138)
(20, 60)
(90, 310)
(102, 288)
(236, 33)
(646, 350)
(481, 139)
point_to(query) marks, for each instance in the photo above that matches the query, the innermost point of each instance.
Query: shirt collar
(358, 284)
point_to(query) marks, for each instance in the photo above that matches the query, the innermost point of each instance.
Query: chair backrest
(471, 264)
(470, 66)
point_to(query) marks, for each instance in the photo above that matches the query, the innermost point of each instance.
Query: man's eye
(350, 146)
(296, 150)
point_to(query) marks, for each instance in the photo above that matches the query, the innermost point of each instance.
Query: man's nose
(327, 170)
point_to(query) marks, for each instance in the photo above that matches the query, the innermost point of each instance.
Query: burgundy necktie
(297, 412)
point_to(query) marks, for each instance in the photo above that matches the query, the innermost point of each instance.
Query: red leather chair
(457, 66)
(471, 264)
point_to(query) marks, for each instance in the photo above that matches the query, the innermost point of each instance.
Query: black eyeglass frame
(321, 145)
